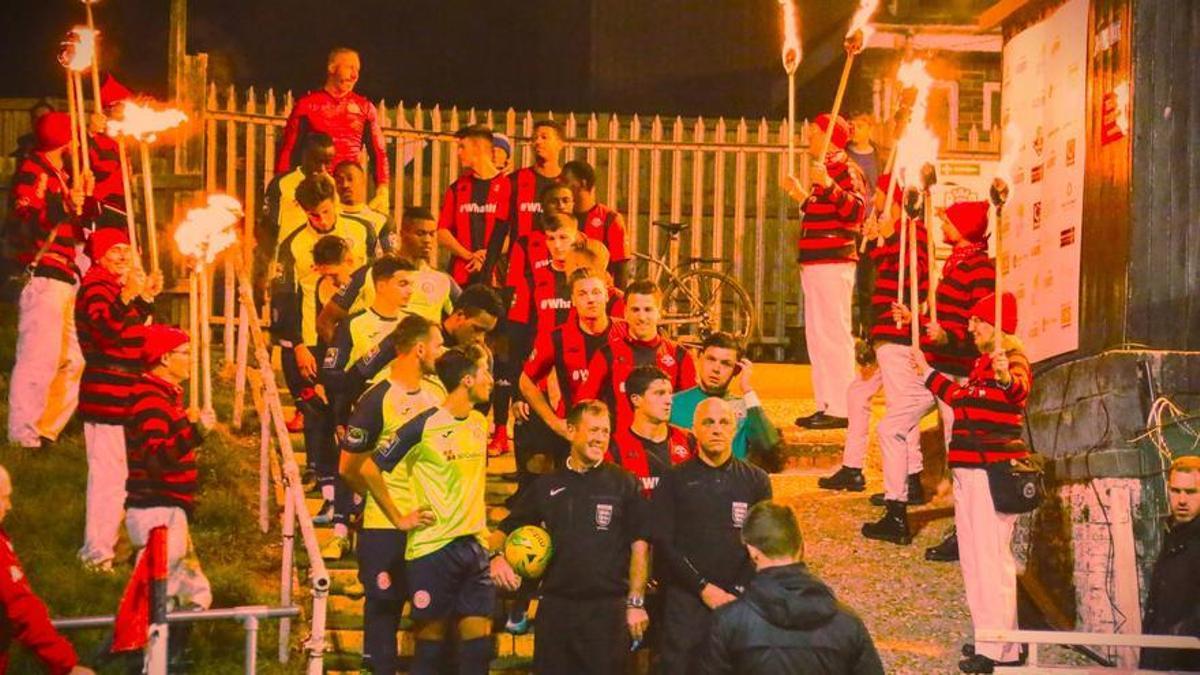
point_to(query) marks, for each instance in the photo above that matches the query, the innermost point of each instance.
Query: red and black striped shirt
(988, 418)
(833, 215)
(106, 167)
(967, 277)
(160, 444)
(40, 205)
(111, 347)
(613, 363)
(887, 280)
(567, 351)
(649, 460)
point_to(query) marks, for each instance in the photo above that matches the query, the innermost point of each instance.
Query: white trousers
(907, 402)
(828, 292)
(107, 472)
(985, 555)
(44, 388)
(858, 433)
(187, 587)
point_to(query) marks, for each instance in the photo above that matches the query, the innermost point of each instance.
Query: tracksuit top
(111, 346)
(350, 120)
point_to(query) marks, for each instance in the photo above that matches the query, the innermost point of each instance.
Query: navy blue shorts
(455, 580)
(381, 567)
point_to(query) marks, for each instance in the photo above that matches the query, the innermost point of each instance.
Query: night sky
(480, 53)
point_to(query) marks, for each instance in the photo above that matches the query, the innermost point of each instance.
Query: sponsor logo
(471, 207)
(649, 483)
(1066, 237)
(530, 207)
(421, 599)
(555, 491)
(738, 512)
(668, 361)
(353, 108)
(680, 451)
(383, 581)
(355, 436)
(579, 375)
(604, 514)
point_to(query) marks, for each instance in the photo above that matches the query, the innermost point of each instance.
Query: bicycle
(698, 298)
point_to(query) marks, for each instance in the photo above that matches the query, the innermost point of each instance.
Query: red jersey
(566, 351)
(527, 207)
(833, 214)
(650, 460)
(111, 346)
(612, 364)
(25, 618)
(472, 209)
(606, 226)
(350, 120)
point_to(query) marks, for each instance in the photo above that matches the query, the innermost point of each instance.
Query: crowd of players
(638, 455)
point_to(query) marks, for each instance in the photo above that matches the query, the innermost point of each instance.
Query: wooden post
(206, 336)
(239, 378)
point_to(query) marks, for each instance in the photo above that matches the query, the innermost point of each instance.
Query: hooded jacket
(789, 622)
(1171, 605)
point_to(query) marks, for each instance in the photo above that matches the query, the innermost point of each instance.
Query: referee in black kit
(594, 589)
(699, 507)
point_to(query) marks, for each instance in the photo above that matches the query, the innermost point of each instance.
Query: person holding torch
(832, 209)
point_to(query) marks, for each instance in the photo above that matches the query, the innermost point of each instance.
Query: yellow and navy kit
(356, 337)
(294, 302)
(380, 224)
(432, 297)
(446, 459)
(379, 414)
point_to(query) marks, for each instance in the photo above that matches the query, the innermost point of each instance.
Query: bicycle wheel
(702, 301)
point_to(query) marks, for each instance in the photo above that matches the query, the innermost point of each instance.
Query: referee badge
(331, 356)
(739, 513)
(383, 581)
(603, 516)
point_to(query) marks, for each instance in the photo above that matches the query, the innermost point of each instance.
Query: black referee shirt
(593, 518)
(699, 511)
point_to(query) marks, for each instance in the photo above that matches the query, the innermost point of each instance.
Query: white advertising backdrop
(1045, 89)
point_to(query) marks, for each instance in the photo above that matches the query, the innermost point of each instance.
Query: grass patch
(46, 527)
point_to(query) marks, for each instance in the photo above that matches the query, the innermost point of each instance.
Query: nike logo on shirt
(556, 491)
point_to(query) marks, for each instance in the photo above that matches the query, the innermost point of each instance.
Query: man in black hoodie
(1172, 604)
(787, 621)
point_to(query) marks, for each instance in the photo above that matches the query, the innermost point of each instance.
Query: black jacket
(1173, 604)
(789, 622)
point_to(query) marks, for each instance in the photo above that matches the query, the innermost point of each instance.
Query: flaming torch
(143, 123)
(1001, 191)
(76, 54)
(856, 38)
(918, 146)
(203, 234)
(91, 24)
(791, 56)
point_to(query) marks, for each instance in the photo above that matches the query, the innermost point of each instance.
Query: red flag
(133, 614)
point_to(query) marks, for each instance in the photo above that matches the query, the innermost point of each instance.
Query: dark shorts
(581, 636)
(455, 580)
(381, 567)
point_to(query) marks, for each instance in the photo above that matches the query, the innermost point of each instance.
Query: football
(528, 549)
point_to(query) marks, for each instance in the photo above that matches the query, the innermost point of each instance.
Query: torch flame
(862, 22)
(792, 52)
(79, 49)
(143, 122)
(208, 230)
(919, 144)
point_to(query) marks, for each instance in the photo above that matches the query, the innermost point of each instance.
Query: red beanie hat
(159, 340)
(970, 219)
(53, 130)
(897, 189)
(113, 92)
(985, 310)
(841, 130)
(103, 239)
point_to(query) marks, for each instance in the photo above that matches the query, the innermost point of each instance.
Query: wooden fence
(719, 176)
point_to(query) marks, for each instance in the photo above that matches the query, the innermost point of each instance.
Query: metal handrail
(1034, 638)
(249, 615)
